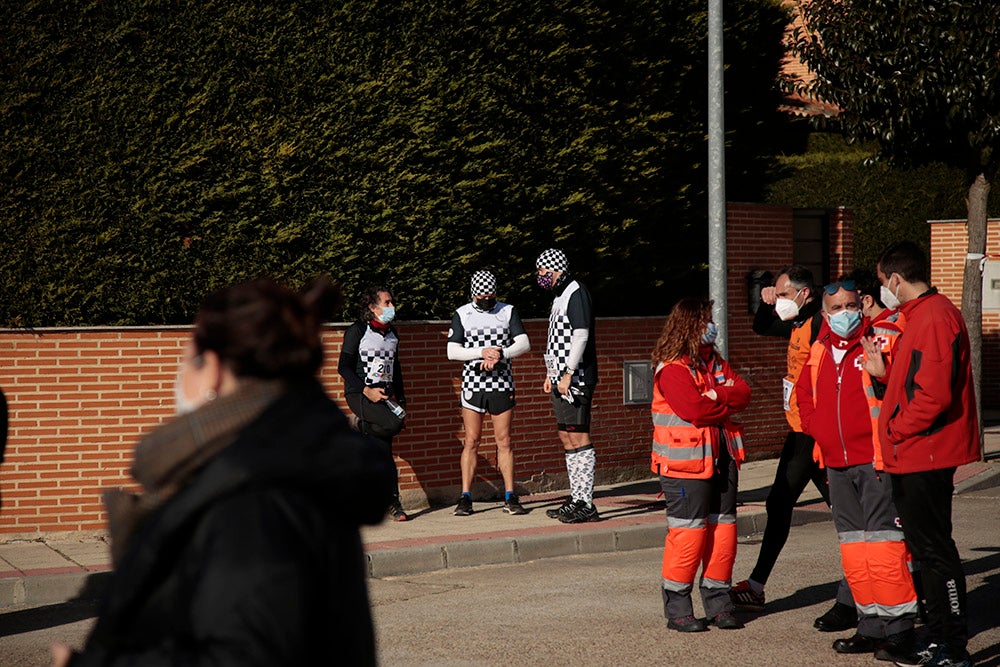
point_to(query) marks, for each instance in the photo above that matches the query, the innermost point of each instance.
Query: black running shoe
(396, 511)
(513, 505)
(464, 507)
(559, 511)
(580, 512)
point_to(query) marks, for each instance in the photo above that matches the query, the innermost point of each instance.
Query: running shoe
(744, 597)
(396, 511)
(513, 505)
(464, 506)
(580, 512)
(559, 511)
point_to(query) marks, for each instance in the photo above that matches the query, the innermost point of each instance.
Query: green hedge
(155, 150)
(890, 204)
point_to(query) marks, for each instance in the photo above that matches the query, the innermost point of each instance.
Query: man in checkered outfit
(570, 378)
(486, 334)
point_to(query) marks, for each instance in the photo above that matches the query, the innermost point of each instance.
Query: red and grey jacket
(833, 403)
(688, 427)
(928, 419)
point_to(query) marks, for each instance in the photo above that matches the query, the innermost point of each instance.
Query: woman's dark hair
(682, 331)
(370, 298)
(263, 329)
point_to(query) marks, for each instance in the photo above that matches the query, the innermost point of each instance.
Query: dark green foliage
(155, 150)
(917, 76)
(889, 204)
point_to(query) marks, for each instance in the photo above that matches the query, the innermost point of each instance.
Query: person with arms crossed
(697, 451)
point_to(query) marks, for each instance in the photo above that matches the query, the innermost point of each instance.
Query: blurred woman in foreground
(243, 547)
(696, 452)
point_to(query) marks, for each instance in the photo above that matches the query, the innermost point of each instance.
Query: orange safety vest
(681, 449)
(799, 345)
(886, 332)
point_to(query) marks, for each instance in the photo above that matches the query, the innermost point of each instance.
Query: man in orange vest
(832, 393)
(791, 310)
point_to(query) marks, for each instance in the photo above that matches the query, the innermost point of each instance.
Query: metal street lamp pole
(717, 176)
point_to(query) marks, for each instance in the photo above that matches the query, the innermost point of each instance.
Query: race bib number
(552, 365)
(787, 387)
(379, 372)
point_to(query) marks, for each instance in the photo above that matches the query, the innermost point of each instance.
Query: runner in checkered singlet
(486, 334)
(570, 378)
(372, 374)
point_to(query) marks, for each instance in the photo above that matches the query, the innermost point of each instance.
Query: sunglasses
(833, 288)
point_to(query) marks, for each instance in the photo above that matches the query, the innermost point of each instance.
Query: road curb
(47, 589)
(404, 561)
(982, 480)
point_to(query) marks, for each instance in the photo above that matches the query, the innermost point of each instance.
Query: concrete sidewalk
(50, 571)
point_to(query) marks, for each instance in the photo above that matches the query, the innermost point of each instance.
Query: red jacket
(928, 419)
(689, 429)
(833, 403)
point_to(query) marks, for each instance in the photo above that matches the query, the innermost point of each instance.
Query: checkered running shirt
(571, 309)
(376, 354)
(474, 328)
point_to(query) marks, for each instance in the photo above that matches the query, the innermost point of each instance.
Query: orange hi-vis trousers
(701, 521)
(872, 551)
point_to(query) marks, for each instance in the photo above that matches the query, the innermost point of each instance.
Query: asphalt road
(602, 609)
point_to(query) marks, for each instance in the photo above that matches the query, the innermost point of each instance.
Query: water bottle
(395, 408)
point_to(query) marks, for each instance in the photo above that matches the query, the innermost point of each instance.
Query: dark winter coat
(259, 560)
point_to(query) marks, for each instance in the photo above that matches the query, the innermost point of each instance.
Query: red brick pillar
(841, 241)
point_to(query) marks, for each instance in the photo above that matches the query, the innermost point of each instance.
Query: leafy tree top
(917, 76)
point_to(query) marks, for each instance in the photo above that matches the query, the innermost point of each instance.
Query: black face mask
(486, 304)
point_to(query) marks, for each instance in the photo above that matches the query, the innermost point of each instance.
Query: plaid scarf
(169, 457)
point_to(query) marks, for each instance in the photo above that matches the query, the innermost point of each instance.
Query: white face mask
(890, 298)
(181, 403)
(787, 309)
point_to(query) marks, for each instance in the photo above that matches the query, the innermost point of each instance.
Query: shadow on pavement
(83, 606)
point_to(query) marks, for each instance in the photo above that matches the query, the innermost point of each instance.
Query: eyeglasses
(833, 288)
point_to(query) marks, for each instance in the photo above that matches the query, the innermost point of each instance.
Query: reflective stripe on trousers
(701, 521)
(872, 550)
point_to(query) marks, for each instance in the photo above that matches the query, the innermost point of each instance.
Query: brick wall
(949, 245)
(80, 399)
(760, 237)
(757, 237)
